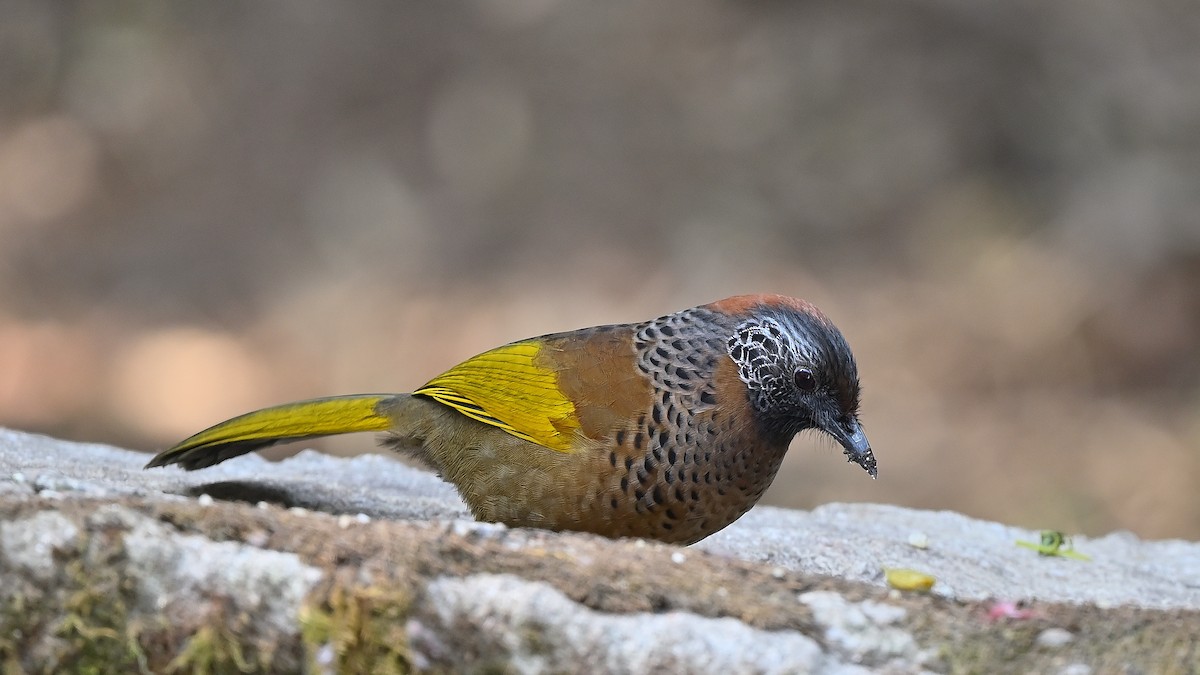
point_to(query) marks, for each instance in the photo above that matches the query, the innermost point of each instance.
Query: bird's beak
(857, 447)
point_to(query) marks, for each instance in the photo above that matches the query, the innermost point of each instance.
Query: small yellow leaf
(908, 580)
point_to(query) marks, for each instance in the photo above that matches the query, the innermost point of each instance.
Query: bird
(669, 429)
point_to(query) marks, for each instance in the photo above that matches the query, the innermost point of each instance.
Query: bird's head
(799, 373)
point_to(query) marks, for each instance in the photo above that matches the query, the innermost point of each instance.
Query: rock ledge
(319, 564)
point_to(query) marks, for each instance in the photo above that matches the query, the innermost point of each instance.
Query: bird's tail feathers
(279, 424)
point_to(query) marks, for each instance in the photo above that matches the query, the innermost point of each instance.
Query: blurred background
(211, 207)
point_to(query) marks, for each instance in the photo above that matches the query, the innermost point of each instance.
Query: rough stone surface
(171, 569)
(538, 629)
(972, 559)
(30, 543)
(358, 565)
(861, 630)
(372, 484)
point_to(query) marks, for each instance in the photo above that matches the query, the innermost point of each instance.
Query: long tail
(279, 424)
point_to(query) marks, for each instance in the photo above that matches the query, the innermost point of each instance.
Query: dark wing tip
(204, 456)
(157, 461)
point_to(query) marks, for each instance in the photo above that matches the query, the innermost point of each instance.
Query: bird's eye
(805, 380)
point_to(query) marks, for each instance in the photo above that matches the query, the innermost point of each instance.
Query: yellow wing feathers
(511, 389)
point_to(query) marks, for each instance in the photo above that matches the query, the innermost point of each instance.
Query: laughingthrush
(669, 429)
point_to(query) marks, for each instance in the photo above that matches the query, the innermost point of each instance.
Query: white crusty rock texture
(321, 564)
